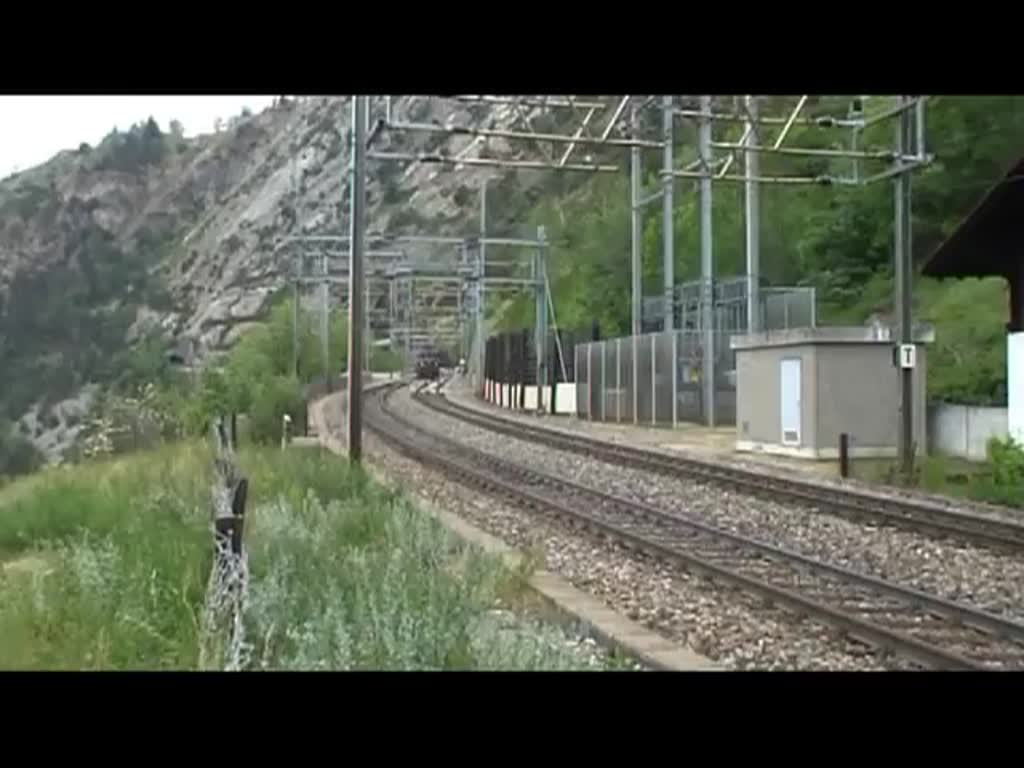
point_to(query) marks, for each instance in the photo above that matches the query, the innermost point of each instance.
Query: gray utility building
(797, 390)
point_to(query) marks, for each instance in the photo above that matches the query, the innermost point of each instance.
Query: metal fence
(652, 379)
(780, 307)
(510, 357)
(666, 366)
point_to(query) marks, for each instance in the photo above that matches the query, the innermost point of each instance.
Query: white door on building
(790, 405)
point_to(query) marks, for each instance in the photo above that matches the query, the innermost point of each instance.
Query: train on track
(428, 366)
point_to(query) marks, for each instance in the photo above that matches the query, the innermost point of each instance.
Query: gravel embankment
(968, 574)
(737, 630)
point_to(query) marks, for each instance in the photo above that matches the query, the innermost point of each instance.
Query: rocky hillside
(152, 232)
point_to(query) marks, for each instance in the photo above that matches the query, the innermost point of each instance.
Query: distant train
(428, 367)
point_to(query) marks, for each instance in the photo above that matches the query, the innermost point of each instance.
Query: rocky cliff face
(151, 231)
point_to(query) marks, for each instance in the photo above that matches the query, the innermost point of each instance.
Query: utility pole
(668, 235)
(541, 324)
(325, 320)
(357, 234)
(753, 219)
(368, 334)
(706, 264)
(635, 222)
(481, 338)
(299, 266)
(904, 266)
(295, 317)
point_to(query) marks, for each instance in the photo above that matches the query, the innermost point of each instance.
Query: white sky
(35, 128)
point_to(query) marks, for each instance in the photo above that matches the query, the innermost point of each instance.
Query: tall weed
(123, 549)
(372, 583)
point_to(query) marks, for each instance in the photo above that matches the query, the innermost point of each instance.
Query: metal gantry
(604, 126)
(414, 297)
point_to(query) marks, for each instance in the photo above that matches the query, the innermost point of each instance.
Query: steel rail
(667, 536)
(915, 515)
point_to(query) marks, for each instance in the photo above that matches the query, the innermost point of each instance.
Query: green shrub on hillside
(275, 397)
(386, 360)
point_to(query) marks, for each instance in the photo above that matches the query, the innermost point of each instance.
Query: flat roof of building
(857, 334)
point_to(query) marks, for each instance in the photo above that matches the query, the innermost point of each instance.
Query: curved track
(929, 631)
(913, 515)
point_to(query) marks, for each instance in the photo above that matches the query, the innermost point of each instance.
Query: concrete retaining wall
(963, 431)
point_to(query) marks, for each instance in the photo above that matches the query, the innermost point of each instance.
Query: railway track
(928, 631)
(913, 515)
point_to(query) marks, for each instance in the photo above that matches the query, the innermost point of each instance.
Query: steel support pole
(482, 265)
(368, 335)
(668, 234)
(357, 224)
(636, 382)
(902, 253)
(541, 325)
(753, 219)
(618, 380)
(603, 391)
(675, 380)
(635, 224)
(295, 329)
(654, 379)
(325, 323)
(706, 264)
(590, 385)
(460, 330)
(392, 313)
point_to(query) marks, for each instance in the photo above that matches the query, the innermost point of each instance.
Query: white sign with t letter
(908, 355)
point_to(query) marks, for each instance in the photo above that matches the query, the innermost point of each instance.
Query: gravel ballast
(961, 572)
(653, 439)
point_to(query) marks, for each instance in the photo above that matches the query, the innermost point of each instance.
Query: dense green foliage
(258, 378)
(384, 360)
(838, 239)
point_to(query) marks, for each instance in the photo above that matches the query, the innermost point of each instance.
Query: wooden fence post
(229, 577)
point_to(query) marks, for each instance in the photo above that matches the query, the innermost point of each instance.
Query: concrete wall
(758, 394)
(859, 393)
(963, 431)
(1015, 385)
(565, 397)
